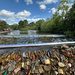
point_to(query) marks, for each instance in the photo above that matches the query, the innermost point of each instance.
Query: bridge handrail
(34, 45)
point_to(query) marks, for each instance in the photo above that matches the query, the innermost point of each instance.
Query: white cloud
(32, 20)
(60, 12)
(7, 14)
(68, 4)
(10, 24)
(47, 1)
(44, 2)
(35, 16)
(11, 20)
(65, 4)
(54, 10)
(2, 19)
(49, 11)
(16, 23)
(17, 0)
(48, 8)
(22, 15)
(42, 7)
(69, 8)
(29, 2)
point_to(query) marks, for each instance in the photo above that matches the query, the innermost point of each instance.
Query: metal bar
(34, 45)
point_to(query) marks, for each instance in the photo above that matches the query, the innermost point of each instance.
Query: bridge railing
(34, 45)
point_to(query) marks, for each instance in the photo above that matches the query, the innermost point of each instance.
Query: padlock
(60, 71)
(41, 69)
(17, 70)
(23, 64)
(61, 64)
(13, 56)
(0, 60)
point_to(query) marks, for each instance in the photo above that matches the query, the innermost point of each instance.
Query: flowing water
(29, 33)
(31, 36)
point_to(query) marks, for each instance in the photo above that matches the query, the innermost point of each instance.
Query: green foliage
(59, 25)
(24, 29)
(21, 25)
(25, 23)
(14, 26)
(38, 24)
(62, 6)
(68, 33)
(69, 21)
(3, 25)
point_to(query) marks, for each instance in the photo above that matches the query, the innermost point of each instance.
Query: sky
(12, 11)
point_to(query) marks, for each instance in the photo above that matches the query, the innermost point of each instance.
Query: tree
(25, 23)
(69, 21)
(38, 24)
(63, 7)
(14, 26)
(3, 25)
(48, 19)
(20, 24)
(31, 24)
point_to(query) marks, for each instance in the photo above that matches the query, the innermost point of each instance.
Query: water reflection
(18, 32)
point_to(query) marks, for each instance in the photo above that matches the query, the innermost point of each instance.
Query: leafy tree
(20, 24)
(25, 23)
(69, 21)
(38, 24)
(31, 24)
(3, 25)
(62, 6)
(48, 19)
(14, 26)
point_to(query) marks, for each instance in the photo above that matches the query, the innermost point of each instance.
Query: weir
(34, 45)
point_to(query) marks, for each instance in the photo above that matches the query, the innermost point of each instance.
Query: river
(31, 36)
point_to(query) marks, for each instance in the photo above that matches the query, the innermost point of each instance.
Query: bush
(25, 29)
(68, 33)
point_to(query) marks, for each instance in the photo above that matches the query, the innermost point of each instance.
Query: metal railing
(33, 45)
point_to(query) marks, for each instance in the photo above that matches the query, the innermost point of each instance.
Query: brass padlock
(23, 65)
(13, 56)
(19, 65)
(5, 67)
(0, 60)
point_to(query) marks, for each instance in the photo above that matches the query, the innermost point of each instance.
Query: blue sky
(12, 11)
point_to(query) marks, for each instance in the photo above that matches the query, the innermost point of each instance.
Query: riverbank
(1, 32)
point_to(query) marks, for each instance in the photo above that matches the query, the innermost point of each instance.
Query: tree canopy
(3, 25)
